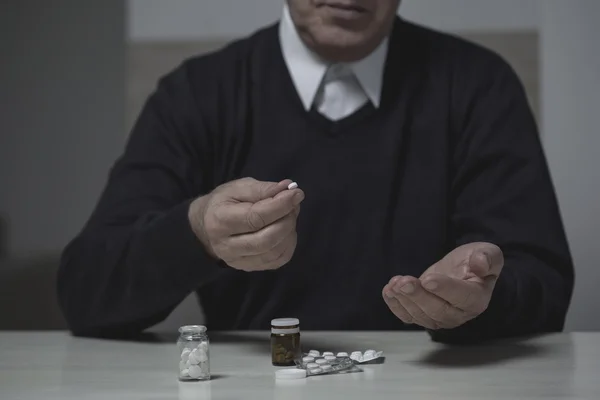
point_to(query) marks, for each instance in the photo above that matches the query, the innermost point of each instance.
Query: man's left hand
(451, 292)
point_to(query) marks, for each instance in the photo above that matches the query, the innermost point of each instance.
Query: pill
(321, 361)
(203, 347)
(292, 185)
(326, 367)
(312, 365)
(314, 353)
(185, 354)
(327, 353)
(198, 356)
(182, 365)
(316, 370)
(185, 372)
(290, 374)
(195, 371)
(330, 358)
(370, 354)
(357, 356)
(342, 354)
(308, 359)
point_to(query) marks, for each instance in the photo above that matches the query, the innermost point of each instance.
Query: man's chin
(339, 43)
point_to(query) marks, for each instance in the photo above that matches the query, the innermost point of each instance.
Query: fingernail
(298, 197)
(408, 288)
(430, 285)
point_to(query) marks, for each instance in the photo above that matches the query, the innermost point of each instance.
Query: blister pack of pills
(368, 357)
(316, 363)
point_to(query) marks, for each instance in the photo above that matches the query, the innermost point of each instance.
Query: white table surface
(54, 365)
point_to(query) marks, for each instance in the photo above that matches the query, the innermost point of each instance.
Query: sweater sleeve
(137, 257)
(502, 193)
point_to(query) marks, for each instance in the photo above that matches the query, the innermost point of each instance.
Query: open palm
(451, 292)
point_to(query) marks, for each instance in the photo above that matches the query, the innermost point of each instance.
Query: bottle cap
(285, 322)
(285, 326)
(188, 329)
(294, 373)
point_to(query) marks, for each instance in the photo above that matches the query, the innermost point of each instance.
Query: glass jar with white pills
(194, 355)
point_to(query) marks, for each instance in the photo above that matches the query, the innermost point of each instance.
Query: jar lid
(192, 329)
(279, 322)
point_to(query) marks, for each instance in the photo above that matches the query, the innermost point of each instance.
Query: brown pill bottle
(285, 341)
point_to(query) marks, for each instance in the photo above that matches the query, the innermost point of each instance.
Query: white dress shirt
(336, 90)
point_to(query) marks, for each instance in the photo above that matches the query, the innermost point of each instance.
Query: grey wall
(571, 104)
(62, 114)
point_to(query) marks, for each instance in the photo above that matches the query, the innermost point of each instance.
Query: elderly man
(424, 202)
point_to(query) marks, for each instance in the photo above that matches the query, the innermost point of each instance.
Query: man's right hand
(249, 224)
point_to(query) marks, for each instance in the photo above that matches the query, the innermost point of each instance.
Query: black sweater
(451, 156)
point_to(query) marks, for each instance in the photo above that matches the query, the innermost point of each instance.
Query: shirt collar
(307, 68)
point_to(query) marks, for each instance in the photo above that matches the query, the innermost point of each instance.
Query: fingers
(417, 314)
(247, 217)
(452, 291)
(404, 308)
(486, 260)
(426, 309)
(262, 241)
(468, 297)
(251, 190)
(412, 303)
(390, 299)
(249, 224)
(273, 259)
(477, 259)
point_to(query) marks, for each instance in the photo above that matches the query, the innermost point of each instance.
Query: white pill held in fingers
(195, 371)
(292, 185)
